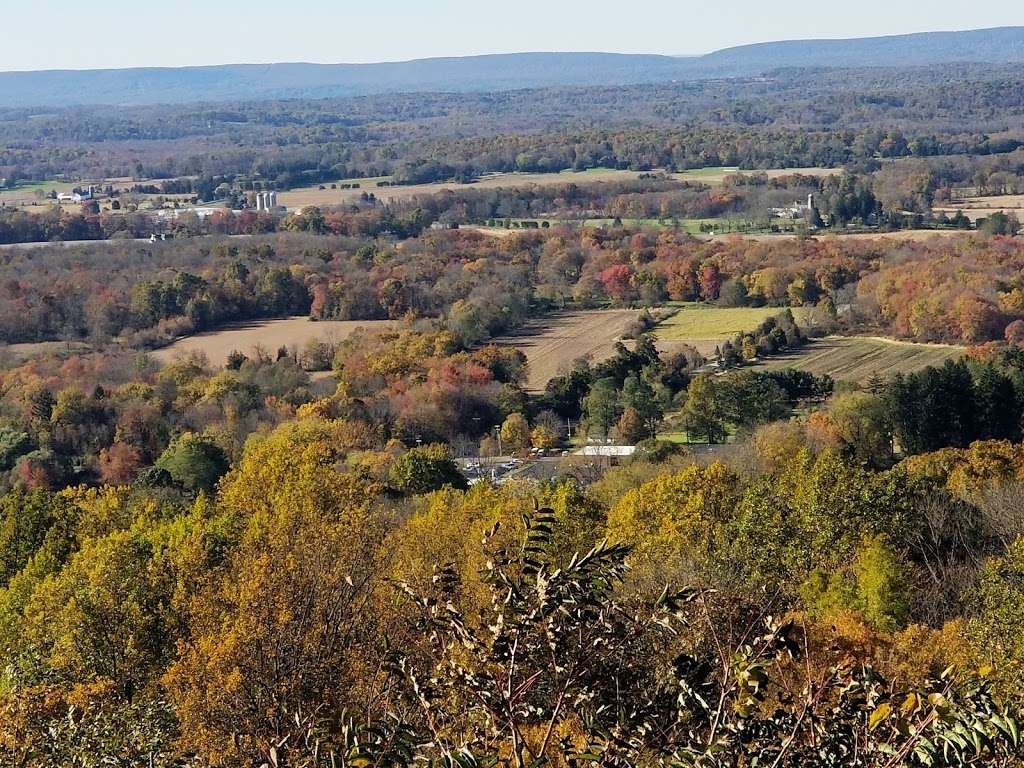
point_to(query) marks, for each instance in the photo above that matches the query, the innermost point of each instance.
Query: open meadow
(716, 176)
(268, 335)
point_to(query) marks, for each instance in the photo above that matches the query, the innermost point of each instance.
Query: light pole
(497, 432)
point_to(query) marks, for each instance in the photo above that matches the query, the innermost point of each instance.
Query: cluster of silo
(266, 201)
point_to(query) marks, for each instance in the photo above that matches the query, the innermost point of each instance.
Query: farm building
(795, 211)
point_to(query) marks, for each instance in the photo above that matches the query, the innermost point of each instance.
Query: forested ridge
(161, 85)
(793, 118)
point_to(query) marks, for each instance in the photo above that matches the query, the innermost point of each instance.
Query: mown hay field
(975, 208)
(551, 344)
(268, 335)
(856, 359)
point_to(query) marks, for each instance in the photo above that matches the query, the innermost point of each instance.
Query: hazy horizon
(258, 32)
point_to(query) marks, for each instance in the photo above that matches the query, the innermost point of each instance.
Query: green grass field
(26, 192)
(701, 322)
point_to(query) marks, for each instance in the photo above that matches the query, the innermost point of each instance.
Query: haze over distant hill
(493, 72)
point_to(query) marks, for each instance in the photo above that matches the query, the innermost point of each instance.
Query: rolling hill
(498, 72)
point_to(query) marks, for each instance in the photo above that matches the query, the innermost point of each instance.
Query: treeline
(56, 224)
(966, 289)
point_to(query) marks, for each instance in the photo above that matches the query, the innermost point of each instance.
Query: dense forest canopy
(772, 513)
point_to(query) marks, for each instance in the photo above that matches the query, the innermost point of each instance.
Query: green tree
(864, 426)
(998, 626)
(638, 395)
(13, 445)
(601, 406)
(26, 519)
(515, 433)
(195, 462)
(882, 585)
(749, 398)
(108, 612)
(703, 413)
(426, 469)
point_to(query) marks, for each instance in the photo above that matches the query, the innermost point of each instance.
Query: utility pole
(497, 432)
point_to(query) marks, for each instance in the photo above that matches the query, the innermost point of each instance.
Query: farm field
(32, 192)
(975, 208)
(20, 352)
(32, 196)
(715, 176)
(702, 322)
(268, 334)
(313, 195)
(551, 344)
(298, 198)
(856, 359)
(902, 235)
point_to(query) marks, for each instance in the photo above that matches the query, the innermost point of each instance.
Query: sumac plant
(560, 669)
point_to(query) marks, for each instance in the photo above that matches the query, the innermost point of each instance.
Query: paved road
(74, 243)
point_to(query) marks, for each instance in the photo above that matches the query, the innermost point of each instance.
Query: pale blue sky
(67, 34)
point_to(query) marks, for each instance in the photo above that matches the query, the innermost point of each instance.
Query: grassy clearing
(856, 359)
(696, 321)
(15, 354)
(314, 195)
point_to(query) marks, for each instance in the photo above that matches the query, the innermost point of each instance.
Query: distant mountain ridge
(496, 72)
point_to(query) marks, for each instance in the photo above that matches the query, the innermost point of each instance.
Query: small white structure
(177, 213)
(610, 451)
